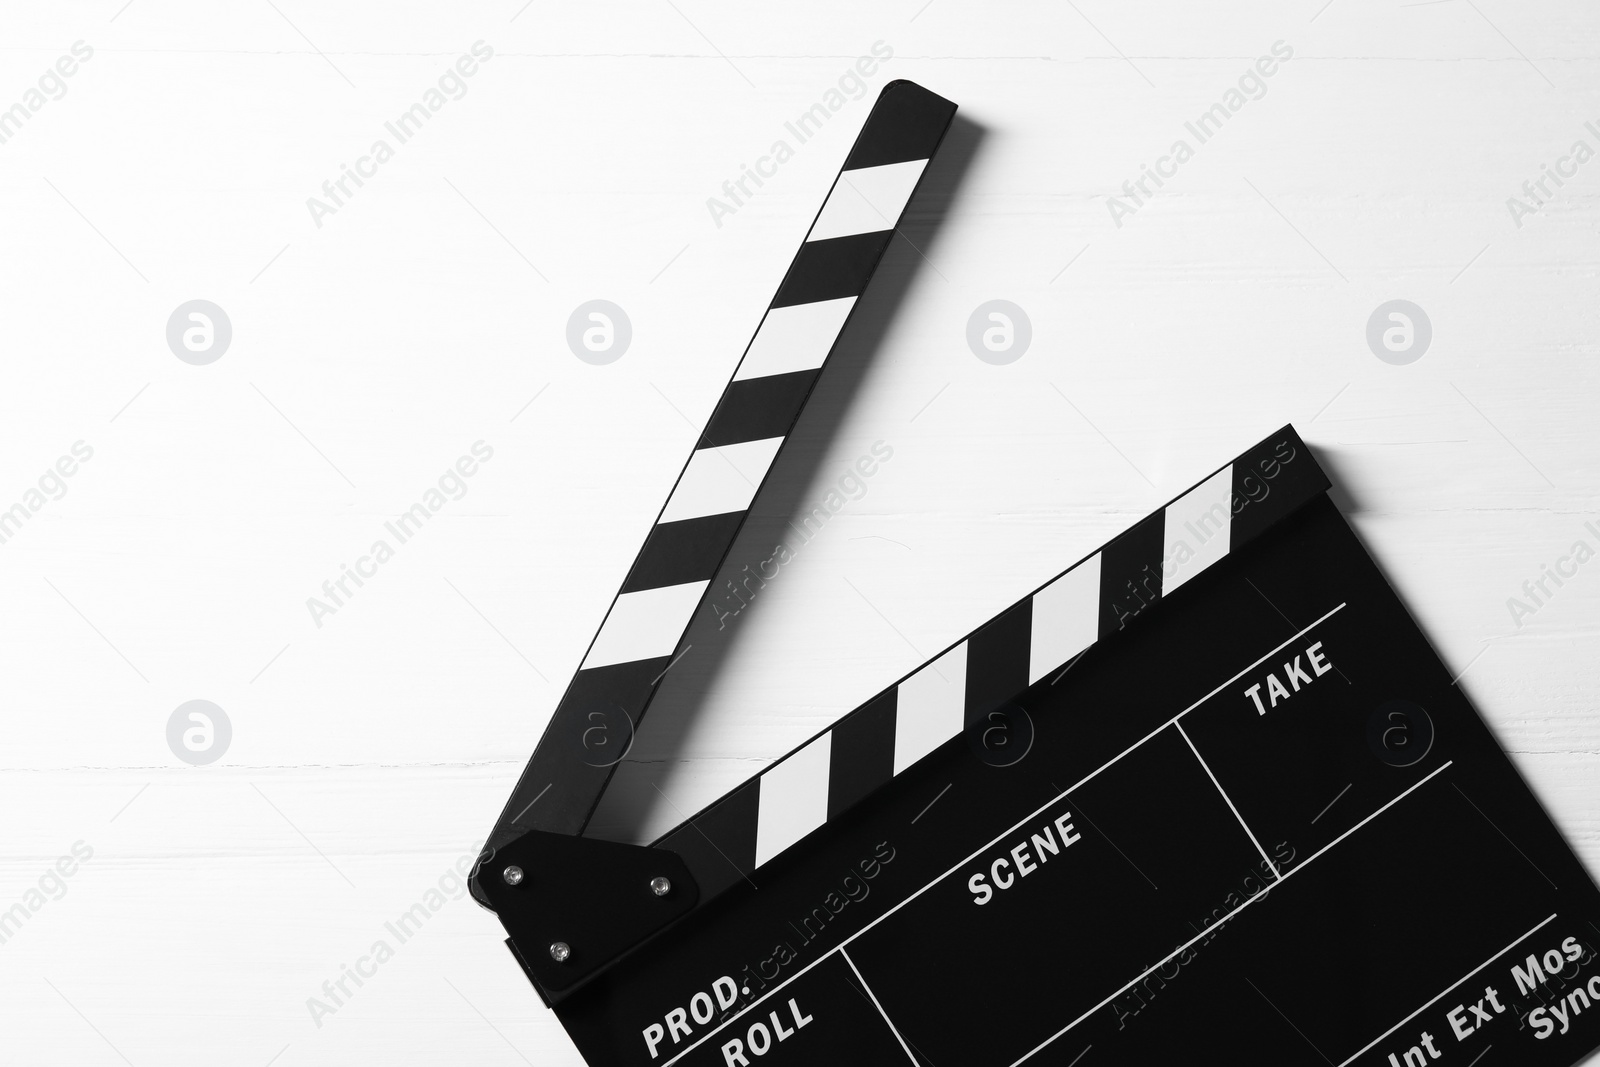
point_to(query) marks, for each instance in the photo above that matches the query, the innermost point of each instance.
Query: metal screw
(512, 875)
(560, 951)
(660, 886)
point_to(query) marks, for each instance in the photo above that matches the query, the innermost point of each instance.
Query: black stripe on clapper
(861, 757)
(997, 661)
(900, 128)
(755, 409)
(830, 269)
(1130, 573)
(688, 550)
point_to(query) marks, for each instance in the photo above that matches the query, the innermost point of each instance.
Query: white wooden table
(378, 337)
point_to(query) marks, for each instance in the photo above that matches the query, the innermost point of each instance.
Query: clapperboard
(1206, 796)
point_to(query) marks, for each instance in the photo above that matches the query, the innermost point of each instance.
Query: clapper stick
(646, 623)
(644, 628)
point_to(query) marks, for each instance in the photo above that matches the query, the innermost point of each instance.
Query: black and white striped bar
(646, 623)
(1024, 644)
